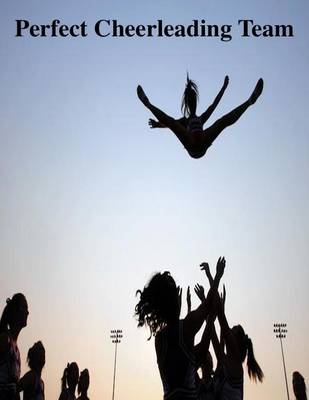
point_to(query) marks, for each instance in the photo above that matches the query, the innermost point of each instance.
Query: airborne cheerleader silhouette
(189, 129)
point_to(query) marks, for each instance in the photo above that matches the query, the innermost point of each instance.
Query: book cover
(94, 200)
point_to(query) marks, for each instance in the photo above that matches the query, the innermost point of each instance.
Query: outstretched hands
(205, 267)
(219, 272)
(200, 292)
(220, 267)
(153, 123)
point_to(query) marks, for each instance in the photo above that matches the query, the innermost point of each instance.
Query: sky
(93, 201)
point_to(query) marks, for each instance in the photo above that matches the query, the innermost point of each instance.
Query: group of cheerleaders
(13, 320)
(179, 357)
(159, 307)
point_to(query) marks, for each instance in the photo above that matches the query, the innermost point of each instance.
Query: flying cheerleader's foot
(257, 91)
(141, 95)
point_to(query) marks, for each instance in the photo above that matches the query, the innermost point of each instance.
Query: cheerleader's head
(15, 313)
(245, 348)
(83, 382)
(159, 303)
(299, 386)
(36, 357)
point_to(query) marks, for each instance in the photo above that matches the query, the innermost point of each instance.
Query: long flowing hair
(254, 370)
(159, 303)
(189, 98)
(246, 350)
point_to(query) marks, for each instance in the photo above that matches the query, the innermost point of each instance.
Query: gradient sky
(93, 202)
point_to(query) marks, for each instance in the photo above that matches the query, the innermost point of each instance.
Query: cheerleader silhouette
(189, 129)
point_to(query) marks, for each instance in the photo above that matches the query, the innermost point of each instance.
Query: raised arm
(194, 320)
(219, 351)
(156, 124)
(205, 267)
(199, 290)
(202, 348)
(205, 116)
(226, 334)
(222, 298)
(188, 300)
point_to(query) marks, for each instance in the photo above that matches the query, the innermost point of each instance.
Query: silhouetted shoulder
(27, 381)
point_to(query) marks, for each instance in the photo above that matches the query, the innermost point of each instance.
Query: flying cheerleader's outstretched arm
(164, 119)
(156, 124)
(205, 116)
(230, 118)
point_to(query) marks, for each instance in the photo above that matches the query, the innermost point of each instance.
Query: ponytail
(254, 370)
(189, 98)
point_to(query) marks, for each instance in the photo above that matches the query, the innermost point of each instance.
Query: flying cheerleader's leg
(229, 119)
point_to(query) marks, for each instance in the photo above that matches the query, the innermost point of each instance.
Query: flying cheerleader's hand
(220, 266)
(153, 123)
(226, 81)
(200, 292)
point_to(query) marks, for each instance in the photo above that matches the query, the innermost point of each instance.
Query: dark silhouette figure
(205, 384)
(69, 382)
(83, 385)
(189, 129)
(159, 309)
(229, 374)
(13, 320)
(31, 384)
(299, 386)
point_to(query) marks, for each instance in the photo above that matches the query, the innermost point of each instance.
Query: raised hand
(153, 123)
(205, 267)
(200, 292)
(220, 267)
